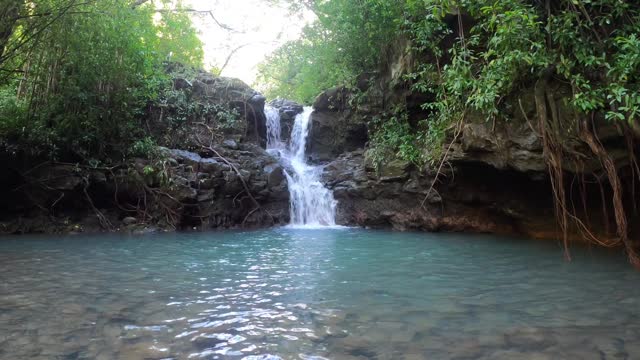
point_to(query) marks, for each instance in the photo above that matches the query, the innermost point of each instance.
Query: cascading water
(312, 204)
(274, 141)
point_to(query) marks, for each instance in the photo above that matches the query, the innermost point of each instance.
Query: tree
(78, 75)
(346, 39)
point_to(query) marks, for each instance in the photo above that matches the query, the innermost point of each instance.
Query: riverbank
(494, 179)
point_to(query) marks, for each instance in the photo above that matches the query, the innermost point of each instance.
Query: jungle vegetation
(473, 56)
(77, 75)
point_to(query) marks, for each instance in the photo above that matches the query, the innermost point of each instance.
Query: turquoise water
(313, 294)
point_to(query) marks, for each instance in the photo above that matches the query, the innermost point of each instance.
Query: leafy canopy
(75, 77)
(472, 55)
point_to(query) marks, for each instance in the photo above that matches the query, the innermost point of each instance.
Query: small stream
(313, 294)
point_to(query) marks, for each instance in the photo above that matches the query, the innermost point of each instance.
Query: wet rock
(145, 350)
(185, 157)
(129, 220)
(530, 338)
(633, 349)
(333, 133)
(181, 83)
(204, 341)
(517, 355)
(611, 348)
(73, 309)
(394, 170)
(182, 191)
(354, 346)
(275, 174)
(112, 331)
(206, 195)
(467, 350)
(146, 230)
(288, 111)
(212, 166)
(231, 144)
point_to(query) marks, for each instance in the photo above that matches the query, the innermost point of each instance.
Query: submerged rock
(145, 350)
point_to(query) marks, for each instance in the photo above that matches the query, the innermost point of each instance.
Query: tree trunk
(9, 12)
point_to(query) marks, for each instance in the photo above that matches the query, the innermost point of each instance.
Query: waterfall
(274, 141)
(312, 204)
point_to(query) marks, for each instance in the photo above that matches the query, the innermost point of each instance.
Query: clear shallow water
(305, 294)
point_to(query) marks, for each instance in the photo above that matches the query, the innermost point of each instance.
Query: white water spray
(312, 204)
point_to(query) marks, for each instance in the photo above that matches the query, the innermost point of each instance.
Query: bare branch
(228, 59)
(209, 12)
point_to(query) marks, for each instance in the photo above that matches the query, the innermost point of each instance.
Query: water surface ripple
(313, 294)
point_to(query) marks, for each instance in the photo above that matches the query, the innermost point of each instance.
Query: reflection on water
(313, 294)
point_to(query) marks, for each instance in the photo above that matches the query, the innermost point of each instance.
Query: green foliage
(347, 38)
(471, 63)
(83, 73)
(178, 39)
(145, 147)
(503, 50)
(393, 137)
(184, 109)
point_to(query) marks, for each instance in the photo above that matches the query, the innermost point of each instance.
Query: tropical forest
(319, 179)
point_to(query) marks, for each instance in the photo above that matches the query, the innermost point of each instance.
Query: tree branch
(209, 12)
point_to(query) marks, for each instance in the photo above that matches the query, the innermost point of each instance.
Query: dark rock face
(515, 144)
(183, 190)
(216, 175)
(495, 179)
(208, 92)
(217, 194)
(394, 198)
(335, 128)
(469, 197)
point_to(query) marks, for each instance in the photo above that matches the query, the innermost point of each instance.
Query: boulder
(394, 170)
(334, 99)
(274, 174)
(230, 144)
(333, 133)
(244, 108)
(212, 166)
(184, 157)
(479, 198)
(60, 177)
(129, 220)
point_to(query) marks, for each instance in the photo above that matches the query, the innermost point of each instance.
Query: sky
(259, 29)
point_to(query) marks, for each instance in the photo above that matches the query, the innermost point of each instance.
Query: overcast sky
(261, 28)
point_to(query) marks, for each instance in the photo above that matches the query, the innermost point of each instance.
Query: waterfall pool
(313, 294)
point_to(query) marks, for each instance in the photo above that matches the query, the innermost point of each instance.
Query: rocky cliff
(210, 172)
(495, 176)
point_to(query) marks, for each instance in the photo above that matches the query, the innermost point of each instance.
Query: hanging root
(457, 133)
(550, 131)
(552, 150)
(588, 136)
(104, 222)
(635, 169)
